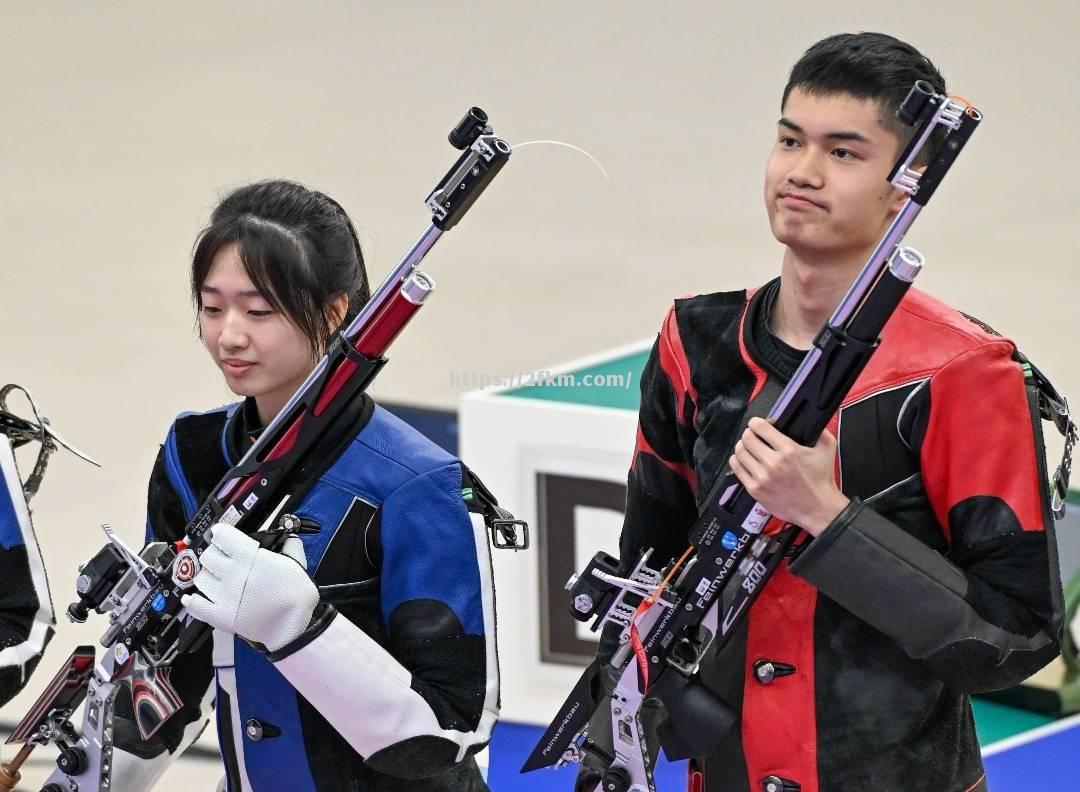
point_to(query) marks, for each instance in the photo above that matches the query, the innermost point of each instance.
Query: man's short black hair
(867, 66)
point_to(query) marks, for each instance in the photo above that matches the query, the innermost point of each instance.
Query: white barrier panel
(561, 465)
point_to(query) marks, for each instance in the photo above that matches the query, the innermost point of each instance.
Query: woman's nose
(233, 331)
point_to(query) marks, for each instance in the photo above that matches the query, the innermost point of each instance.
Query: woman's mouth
(236, 367)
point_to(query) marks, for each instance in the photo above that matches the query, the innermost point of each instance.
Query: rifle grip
(697, 719)
(153, 700)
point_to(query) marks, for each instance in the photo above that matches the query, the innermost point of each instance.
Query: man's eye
(845, 154)
(788, 142)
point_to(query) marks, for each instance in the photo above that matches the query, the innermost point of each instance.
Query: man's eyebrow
(213, 290)
(843, 134)
(787, 122)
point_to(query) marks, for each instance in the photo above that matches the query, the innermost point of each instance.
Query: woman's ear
(336, 310)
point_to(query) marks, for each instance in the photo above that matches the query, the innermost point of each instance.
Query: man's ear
(897, 201)
(899, 197)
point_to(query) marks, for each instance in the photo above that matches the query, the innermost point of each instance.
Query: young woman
(379, 661)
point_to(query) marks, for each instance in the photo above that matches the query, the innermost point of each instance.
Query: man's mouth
(796, 200)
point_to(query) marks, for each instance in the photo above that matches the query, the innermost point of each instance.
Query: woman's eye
(260, 314)
(211, 309)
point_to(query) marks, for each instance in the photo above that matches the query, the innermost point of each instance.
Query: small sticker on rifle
(185, 568)
(756, 519)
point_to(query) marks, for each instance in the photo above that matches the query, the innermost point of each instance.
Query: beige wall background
(123, 122)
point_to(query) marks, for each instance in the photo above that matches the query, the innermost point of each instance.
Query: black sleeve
(26, 613)
(165, 520)
(989, 613)
(661, 484)
(23, 633)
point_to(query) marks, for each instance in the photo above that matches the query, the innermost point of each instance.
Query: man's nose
(806, 170)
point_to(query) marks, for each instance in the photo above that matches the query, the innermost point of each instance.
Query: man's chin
(798, 239)
(787, 229)
(811, 250)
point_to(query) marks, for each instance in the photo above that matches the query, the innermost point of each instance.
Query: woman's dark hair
(867, 66)
(298, 247)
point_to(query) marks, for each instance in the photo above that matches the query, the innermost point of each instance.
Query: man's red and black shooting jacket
(938, 581)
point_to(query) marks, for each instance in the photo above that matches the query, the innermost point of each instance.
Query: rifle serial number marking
(709, 532)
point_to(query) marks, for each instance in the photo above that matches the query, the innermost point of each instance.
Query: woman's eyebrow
(215, 290)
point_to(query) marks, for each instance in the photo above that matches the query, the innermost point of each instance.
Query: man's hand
(260, 595)
(795, 483)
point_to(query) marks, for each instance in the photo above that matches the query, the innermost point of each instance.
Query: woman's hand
(262, 596)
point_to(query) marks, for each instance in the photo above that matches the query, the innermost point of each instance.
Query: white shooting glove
(262, 596)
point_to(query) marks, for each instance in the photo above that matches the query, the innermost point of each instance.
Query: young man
(929, 571)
